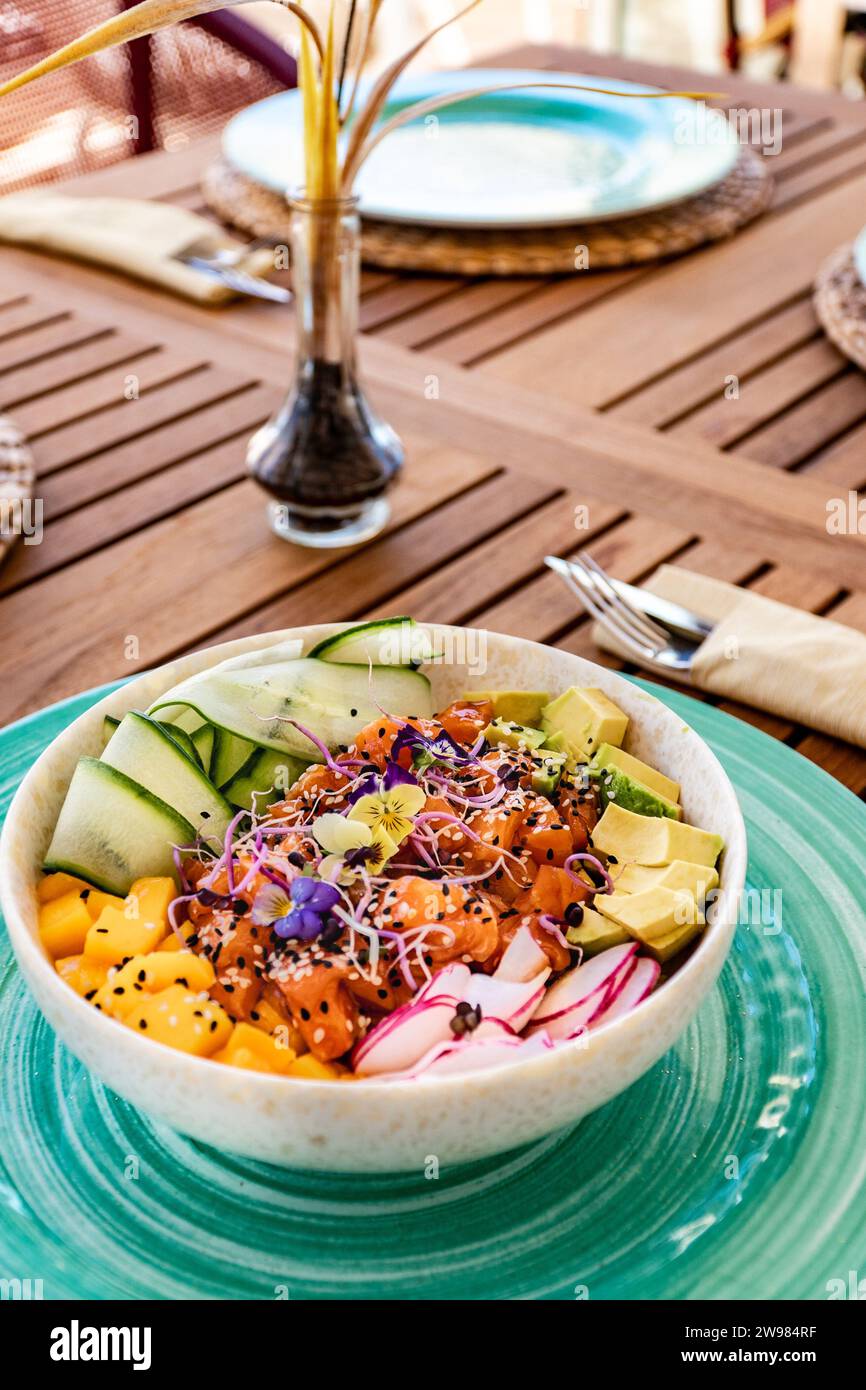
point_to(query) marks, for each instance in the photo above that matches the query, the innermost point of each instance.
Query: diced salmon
(466, 721)
(237, 955)
(545, 834)
(323, 1007)
(459, 922)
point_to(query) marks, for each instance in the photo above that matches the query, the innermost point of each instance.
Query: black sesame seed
(305, 1015)
(142, 1023)
(323, 1007)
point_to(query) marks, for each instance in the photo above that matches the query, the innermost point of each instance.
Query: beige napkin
(763, 653)
(137, 237)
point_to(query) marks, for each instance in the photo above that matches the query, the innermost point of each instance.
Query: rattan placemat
(17, 472)
(715, 214)
(840, 303)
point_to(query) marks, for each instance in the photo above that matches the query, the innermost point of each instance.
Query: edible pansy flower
(300, 913)
(350, 845)
(427, 751)
(391, 811)
(393, 776)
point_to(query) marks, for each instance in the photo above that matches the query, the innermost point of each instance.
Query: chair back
(91, 115)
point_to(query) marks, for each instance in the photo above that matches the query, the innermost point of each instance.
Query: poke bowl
(509, 875)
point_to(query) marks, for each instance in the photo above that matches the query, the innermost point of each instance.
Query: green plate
(734, 1169)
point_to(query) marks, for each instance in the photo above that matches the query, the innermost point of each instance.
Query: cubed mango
(114, 937)
(96, 901)
(270, 1020)
(149, 974)
(85, 976)
(312, 1069)
(183, 1019)
(63, 925)
(149, 898)
(256, 1050)
(56, 885)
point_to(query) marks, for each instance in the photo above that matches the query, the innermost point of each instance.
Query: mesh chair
(160, 92)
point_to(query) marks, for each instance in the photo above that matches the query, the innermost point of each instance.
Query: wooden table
(599, 390)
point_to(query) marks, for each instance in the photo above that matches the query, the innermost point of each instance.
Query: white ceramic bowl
(367, 1126)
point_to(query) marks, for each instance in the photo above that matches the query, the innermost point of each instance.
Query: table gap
(243, 618)
(137, 355)
(604, 296)
(229, 393)
(691, 359)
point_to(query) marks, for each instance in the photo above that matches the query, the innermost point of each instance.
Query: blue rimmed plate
(522, 158)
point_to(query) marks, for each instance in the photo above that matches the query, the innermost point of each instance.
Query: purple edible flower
(426, 751)
(393, 776)
(300, 913)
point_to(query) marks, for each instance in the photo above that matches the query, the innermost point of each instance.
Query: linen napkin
(137, 237)
(763, 653)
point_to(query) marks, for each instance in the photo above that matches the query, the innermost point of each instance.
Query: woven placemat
(715, 214)
(17, 472)
(840, 303)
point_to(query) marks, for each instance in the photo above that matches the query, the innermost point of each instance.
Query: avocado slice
(654, 840)
(596, 933)
(586, 719)
(615, 785)
(547, 772)
(663, 947)
(608, 756)
(653, 915)
(693, 878)
(513, 735)
(514, 706)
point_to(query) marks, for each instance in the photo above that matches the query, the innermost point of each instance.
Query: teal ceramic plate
(529, 158)
(736, 1168)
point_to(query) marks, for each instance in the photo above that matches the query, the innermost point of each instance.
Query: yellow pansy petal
(368, 809)
(386, 847)
(337, 835)
(405, 800)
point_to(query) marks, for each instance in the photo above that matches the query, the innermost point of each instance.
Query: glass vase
(326, 458)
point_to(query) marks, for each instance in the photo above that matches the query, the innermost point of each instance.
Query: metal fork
(649, 644)
(225, 265)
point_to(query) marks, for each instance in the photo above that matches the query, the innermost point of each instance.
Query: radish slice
(410, 1031)
(472, 1054)
(523, 958)
(637, 986)
(581, 985)
(481, 1054)
(505, 999)
(451, 979)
